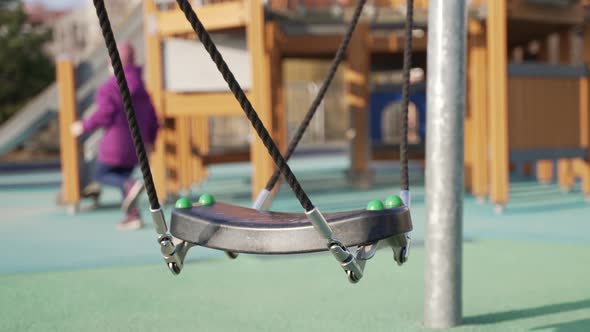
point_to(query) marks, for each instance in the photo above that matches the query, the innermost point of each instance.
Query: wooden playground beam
(356, 77)
(154, 84)
(266, 94)
(497, 79)
(477, 132)
(525, 11)
(393, 43)
(202, 104)
(69, 150)
(308, 46)
(200, 141)
(544, 168)
(584, 164)
(566, 177)
(326, 45)
(214, 16)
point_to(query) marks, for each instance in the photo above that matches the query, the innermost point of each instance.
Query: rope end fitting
(406, 197)
(159, 220)
(261, 199)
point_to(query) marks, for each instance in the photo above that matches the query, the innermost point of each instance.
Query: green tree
(24, 67)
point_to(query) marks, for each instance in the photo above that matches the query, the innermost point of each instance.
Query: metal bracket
(400, 245)
(173, 255)
(351, 267)
(347, 261)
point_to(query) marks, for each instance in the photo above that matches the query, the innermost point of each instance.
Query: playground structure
(512, 114)
(524, 100)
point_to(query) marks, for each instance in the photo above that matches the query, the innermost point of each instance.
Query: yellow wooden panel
(214, 16)
(544, 113)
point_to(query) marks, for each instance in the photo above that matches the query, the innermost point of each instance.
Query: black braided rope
(340, 54)
(405, 181)
(109, 38)
(239, 94)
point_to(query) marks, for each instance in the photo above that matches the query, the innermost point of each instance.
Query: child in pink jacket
(116, 157)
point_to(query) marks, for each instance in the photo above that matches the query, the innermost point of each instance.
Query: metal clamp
(347, 261)
(173, 255)
(401, 245)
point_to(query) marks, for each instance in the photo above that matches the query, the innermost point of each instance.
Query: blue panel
(379, 100)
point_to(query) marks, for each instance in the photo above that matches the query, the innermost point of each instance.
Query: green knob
(206, 200)
(183, 203)
(393, 201)
(375, 205)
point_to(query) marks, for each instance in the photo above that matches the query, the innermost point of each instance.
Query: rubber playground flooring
(525, 270)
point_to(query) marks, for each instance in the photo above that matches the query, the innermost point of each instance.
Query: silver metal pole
(444, 162)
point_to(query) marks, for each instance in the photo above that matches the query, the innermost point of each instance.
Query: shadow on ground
(581, 325)
(511, 315)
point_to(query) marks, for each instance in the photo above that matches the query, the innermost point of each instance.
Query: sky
(60, 4)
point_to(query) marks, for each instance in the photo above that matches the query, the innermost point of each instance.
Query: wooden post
(467, 142)
(527, 168)
(565, 47)
(171, 156)
(544, 171)
(498, 101)
(357, 99)
(545, 167)
(566, 178)
(277, 87)
(476, 138)
(585, 118)
(69, 152)
(265, 96)
(183, 153)
(200, 139)
(155, 86)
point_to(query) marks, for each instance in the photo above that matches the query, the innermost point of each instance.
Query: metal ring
(352, 277)
(174, 268)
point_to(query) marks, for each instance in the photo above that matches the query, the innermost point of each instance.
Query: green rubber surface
(524, 270)
(519, 291)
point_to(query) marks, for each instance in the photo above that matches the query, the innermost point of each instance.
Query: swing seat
(237, 229)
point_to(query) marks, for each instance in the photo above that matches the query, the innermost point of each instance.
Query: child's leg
(120, 177)
(113, 176)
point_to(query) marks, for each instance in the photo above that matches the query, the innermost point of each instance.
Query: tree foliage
(25, 69)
